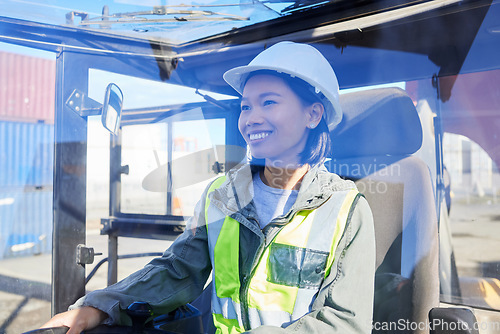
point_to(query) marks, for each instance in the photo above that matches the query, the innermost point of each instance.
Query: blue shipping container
(26, 181)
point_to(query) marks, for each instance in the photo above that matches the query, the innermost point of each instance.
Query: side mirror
(110, 111)
(112, 108)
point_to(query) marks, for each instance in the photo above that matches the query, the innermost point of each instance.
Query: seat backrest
(373, 145)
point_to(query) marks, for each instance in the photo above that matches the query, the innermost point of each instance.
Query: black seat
(373, 145)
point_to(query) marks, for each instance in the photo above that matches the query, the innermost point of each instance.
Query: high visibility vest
(288, 273)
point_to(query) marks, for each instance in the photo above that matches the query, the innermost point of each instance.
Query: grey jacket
(344, 303)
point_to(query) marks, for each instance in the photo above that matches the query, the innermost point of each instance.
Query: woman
(291, 245)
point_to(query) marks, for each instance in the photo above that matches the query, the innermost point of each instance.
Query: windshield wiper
(184, 15)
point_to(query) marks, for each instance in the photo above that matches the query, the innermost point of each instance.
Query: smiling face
(273, 120)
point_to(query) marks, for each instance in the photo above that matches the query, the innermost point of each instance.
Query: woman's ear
(315, 112)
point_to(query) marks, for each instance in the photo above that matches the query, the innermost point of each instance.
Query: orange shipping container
(27, 88)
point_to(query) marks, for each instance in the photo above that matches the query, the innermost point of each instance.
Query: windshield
(174, 22)
(419, 137)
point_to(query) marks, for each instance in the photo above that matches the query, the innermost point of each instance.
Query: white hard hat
(298, 60)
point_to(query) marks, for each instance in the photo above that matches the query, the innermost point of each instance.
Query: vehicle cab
(114, 117)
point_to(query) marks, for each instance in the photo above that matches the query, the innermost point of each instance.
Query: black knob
(139, 312)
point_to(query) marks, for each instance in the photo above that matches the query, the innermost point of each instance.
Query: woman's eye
(269, 102)
(245, 108)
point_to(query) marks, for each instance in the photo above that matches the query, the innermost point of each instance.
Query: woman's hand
(77, 320)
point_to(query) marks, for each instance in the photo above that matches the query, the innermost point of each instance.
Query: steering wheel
(185, 319)
(102, 329)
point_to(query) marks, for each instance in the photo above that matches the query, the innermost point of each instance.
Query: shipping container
(27, 88)
(26, 154)
(25, 222)
(26, 179)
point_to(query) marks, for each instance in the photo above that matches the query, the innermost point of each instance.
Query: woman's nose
(253, 116)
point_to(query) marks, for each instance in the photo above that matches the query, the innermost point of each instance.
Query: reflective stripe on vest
(290, 270)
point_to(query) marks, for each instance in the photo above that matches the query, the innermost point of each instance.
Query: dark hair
(318, 144)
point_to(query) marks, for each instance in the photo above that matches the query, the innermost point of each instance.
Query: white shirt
(271, 202)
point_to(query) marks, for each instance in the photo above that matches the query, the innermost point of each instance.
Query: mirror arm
(83, 105)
